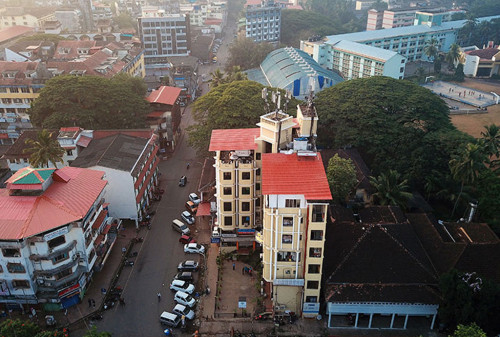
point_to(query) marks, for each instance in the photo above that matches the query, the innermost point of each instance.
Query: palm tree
(491, 144)
(465, 167)
(217, 78)
(431, 48)
(391, 190)
(44, 150)
(236, 74)
(453, 56)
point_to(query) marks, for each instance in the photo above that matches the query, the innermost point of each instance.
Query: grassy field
(474, 124)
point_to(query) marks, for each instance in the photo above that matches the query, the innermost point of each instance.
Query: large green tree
(397, 124)
(341, 174)
(471, 330)
(91, 102)
(431, 49)
(246, 54)
(18, 328)
(44, 150)
(467, 298)
(232, 105)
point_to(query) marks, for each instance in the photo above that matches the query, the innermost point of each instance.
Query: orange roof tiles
(234, 139)
(164, 95)
(292, 174)
(12, 32)
(60, 204)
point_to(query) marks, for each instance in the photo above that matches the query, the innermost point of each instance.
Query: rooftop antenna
(288, 97)
(264, 97)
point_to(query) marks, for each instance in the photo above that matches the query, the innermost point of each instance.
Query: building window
(69, 152)
(228, 221)
(63, 274)
(314, 252)
(286, 238)
(11, 252)
(257, 202)
(227, 191)
(60, 257)
(257, 186)
(227, 175)
(318, 213)
(257, 172)
(313, 268)
(245, 175)
(312, 299)
(227, 207)
(402, 69)
(245, 190)
(316, 235)
(292, 203)
(312, 284)
(257, 156)
(287, 257)
(20, 284)
(15, 268)
(245, 206)
(287, 221)
(56, 242)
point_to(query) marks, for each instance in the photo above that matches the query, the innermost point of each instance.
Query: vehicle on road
(179, 285)
(194, 198)
(170, 319)
(180, 227)
(180, 309)
(191, 207)
(184, 299)
(194, 248)
(188, 265)
(186, 239)
(185, 276)
(183, 181)
(187, 217)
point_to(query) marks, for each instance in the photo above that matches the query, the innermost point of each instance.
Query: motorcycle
(108, 305)
(131, 255)
(263, 316)
(138, 239)
(96, 317)
(128, 263)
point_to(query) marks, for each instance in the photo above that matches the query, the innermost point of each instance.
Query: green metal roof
(34, 176)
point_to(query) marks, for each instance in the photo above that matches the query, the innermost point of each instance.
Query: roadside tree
(91, 102)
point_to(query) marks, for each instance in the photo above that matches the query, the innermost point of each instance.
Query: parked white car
(180, 285)
(180, 310)
(194, 248)
(184, 299)
(194, 198)
(187, 217)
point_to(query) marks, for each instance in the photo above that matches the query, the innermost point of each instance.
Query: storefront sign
(311, 308)
(55, 234)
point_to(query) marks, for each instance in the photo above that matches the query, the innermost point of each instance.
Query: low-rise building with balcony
(50, 223)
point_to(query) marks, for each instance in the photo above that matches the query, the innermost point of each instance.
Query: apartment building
(33, 17)
(408, 42)
(199, 13)
(394, 18)
(163, 35)
(263, 22)
(53, 223)
(295, 199)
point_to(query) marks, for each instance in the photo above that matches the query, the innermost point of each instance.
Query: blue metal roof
(283, 66)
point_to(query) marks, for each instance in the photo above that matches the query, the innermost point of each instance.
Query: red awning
(203, 209)
(106, 229)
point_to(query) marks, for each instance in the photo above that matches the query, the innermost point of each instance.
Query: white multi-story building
(51, 225)
(69, 19)
(263, 22)
(163, 35)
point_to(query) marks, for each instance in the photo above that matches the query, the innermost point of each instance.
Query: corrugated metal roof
(164, 95)
(83, 141)
(234, 139)
(363, 49)
(292, 174)
(283, 66)
(30, 176)
(60, 204)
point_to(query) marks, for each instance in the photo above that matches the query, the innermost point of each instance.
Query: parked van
(184, 299)
(180, 227)
(169, 319)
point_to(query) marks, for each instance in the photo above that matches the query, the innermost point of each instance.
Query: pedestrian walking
(90, 302)
(243, 271)
(122, 301)
(234, 266)
(187, 166)
(159, 297)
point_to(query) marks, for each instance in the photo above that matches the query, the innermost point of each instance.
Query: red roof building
(293, 174)
(234, 139)
(164, 95)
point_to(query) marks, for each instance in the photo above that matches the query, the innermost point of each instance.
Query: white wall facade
(471, 64)
(395, 67)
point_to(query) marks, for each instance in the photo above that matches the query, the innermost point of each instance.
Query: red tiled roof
(60, 204)
(12, 32)
(203, 209)
(292, 174)
(164, 95)
(234, 139)
(70, 129)
(83, 141)
(213, 21)
(485, 54)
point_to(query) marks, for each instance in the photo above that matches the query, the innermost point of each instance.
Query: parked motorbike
(291, 317)
(138, 239)
(108, 305)
(96, 317)
(131, 255)
(263, 316)
(128, 263)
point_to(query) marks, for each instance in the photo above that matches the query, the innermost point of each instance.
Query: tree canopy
(397, 124)
(471, 330)
(232, 105)
(44, 150)
(247, 54)
(91, 102)
(341, 175)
